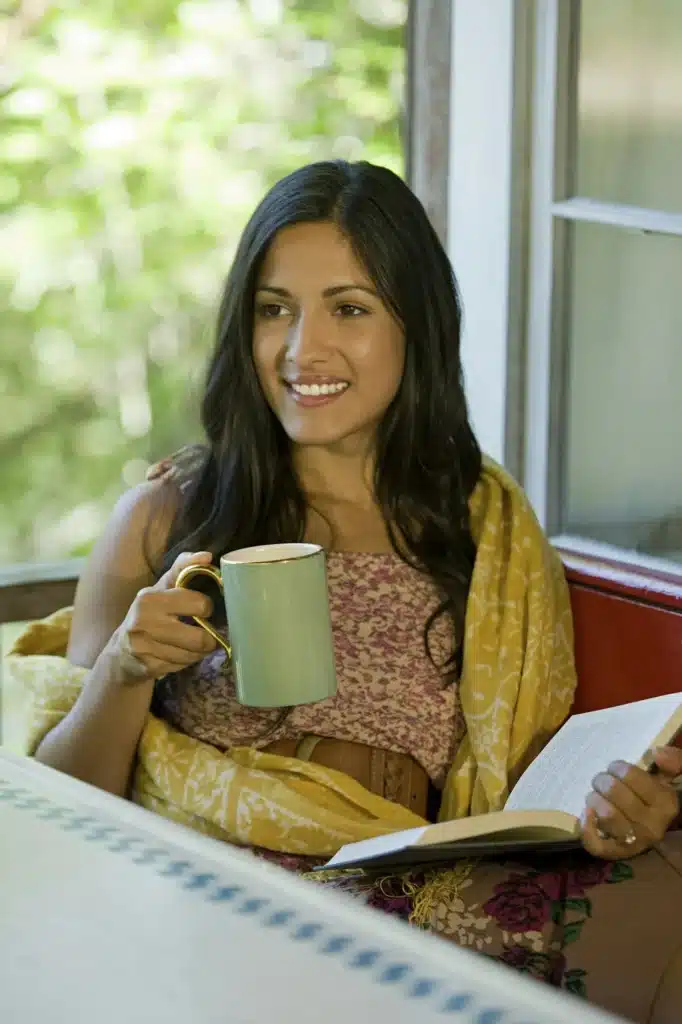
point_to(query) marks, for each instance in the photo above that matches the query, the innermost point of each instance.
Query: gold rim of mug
(273, 561)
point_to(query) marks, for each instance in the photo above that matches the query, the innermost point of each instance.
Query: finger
(647, 824)
(160, 468)
(620, 796)
(669, 760)
(176, 602)
(597, 842)
(610, 819)
(174, 658)
(626, 808)
(645, 786)
(192, 639)
(655, 792)
(181, 562)
(593, 828)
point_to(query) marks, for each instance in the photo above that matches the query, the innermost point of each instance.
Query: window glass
(135, 139)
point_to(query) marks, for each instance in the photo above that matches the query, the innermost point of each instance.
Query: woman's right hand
(152, 641)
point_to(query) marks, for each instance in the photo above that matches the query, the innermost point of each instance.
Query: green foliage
(135, 139)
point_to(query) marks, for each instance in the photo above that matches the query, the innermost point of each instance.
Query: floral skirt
(610, 932)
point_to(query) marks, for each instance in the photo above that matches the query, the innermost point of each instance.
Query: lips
(313, 392)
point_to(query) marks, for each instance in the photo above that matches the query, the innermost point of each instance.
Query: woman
(334, 412)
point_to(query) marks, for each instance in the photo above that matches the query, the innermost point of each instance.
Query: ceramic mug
(277, 606)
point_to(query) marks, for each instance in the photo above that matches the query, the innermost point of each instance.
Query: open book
(543, 810)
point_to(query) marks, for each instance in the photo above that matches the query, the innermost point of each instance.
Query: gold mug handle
(184, 577)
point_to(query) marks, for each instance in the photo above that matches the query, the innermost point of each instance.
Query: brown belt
(397, 777)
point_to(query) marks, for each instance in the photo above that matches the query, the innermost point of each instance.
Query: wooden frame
(427, 143)
(488, 210)
(34, 591)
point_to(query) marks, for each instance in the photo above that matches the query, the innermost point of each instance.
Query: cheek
(265, 350)
(397, 362)
(384, 369)
(380, 359)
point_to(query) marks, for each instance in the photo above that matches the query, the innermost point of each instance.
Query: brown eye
(349, 310)
(270, 310)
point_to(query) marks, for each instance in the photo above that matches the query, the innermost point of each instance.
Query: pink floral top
(390, 695)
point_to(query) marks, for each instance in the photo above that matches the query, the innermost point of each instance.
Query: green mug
(281, 645)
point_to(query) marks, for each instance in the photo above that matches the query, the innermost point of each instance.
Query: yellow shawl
(516, 689)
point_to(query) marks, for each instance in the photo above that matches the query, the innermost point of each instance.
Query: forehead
(311, 253)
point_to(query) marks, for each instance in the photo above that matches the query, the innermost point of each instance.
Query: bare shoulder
(120, 564)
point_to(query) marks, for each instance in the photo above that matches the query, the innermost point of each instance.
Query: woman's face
(328, 354)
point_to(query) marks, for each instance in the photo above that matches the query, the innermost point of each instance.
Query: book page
(390, 843)
(561, 776)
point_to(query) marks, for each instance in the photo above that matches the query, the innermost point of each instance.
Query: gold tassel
(406, 887)
(438, 887)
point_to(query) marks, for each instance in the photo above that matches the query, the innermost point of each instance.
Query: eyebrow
(328, 293)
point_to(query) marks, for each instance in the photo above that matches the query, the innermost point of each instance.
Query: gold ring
(627, 840)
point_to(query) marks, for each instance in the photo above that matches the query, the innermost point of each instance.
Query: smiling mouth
(309, 396)
(317, 390)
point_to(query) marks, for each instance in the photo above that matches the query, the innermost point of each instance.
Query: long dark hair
(428, 460)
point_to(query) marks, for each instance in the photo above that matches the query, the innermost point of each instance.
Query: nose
(305, 341)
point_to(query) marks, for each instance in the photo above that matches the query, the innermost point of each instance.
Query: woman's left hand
(629, 810)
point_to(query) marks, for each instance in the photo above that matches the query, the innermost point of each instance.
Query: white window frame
(511, 86)
(487, 214)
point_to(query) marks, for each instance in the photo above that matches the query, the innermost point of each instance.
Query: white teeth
(315, 390)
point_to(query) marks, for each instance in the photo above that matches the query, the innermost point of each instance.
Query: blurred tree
(136, 136)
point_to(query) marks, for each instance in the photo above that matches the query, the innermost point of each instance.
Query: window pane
(623, 459)
(134, 142)
(629, 102)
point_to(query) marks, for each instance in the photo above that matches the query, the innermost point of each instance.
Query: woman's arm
(126, 630)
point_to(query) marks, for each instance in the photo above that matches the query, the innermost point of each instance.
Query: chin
(319, 438)
(326, 435)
